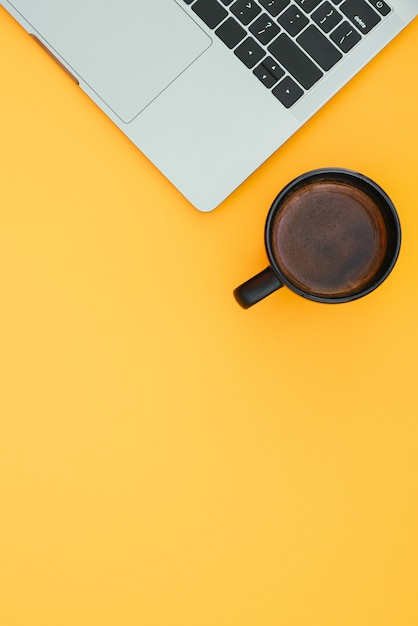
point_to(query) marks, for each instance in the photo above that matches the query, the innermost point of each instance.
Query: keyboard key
(319, 47)
(273, 67)
(361, 14)
(383, 8)
(264, 29)
(288, 92)
(308, 5)
(249, 52)
(295, 61)
(231, 32)
(274, 7)
(264, 76)
(245, 10)
(210, 11)
(315, 36)
(327, 17)
(345, 36)
(293, 20)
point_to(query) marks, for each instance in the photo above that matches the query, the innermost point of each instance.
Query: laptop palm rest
(124, 52)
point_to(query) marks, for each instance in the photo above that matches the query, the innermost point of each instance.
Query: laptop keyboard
(289, 45)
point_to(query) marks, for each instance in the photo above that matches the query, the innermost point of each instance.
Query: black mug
(332, 235)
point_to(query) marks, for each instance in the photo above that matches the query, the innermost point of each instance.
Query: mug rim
(334, 173)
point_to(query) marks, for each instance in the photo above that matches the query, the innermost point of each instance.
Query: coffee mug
(332, 235)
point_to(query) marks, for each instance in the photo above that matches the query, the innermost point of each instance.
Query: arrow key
(273, 67)
(249, 52)
(288, 92)
(264, 76)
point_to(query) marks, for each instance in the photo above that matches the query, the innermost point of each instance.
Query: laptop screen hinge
(62, 66)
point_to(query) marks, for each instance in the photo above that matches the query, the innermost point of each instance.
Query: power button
(381, 6)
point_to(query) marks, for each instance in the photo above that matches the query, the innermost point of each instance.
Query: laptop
(209, 89)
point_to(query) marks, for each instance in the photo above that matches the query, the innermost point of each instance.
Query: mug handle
(257, 288)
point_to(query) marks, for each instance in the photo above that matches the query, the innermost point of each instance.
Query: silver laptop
(209, 89)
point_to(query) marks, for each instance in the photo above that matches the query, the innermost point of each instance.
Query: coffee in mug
(331, 235)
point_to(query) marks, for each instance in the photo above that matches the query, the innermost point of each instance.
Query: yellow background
(165, 456)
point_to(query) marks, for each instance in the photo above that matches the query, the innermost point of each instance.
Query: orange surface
(166, 457)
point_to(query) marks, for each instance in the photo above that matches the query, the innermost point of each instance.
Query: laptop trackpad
(127, 51)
